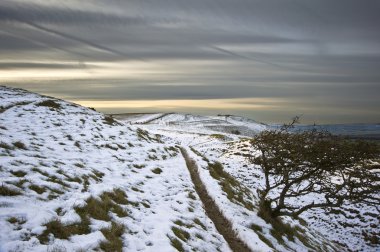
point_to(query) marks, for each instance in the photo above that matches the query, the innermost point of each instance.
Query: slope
(73, 179)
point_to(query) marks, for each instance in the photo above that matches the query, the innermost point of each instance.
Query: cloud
(312, 52)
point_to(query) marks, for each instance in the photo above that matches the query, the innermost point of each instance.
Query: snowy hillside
(73, 179)
(218, 124)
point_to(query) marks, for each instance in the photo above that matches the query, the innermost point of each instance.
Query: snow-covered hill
(73, 179)
(228, 124)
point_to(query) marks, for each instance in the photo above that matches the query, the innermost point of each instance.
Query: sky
(267, 60)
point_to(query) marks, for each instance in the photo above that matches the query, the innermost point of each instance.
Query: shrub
(316, 162)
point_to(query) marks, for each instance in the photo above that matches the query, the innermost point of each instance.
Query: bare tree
(330, 170)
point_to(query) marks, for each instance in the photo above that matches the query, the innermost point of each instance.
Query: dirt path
(221, 223)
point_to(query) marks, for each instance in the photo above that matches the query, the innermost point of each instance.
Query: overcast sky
(268, 60)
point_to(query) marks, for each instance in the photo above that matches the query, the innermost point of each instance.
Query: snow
(75, 142)
(66, 146)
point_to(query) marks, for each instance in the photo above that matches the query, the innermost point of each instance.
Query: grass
(191, 196)
(18, 173)
(6, 191)
(41, 172)
(79, 165)
(181, 234)
(256, 228)
(139, 166)
(55, 179)
(144, 135)
(177, 244)
(198, 222)
(5, 146)
(20, 183)
(218, 136)
(15, 220)
(157, 171)
(37, 189)
(98, 174)
(50, 104)
(74, 179)
(86, 183)
(99, 209)
(235, 192)
(19, 145)
(95, 208)
(109, 120)
(182, 224)
(77, 144)
(279, 228)
(113, 236)
(118, 196)
(61, 231)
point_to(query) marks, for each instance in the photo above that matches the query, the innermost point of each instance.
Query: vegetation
(98, 209)
(157, 170)
(6, 191)
(18, 173)
(61, 231)
(19, 145)
(177, 244)
(108, 119)
(181, 234)
(50, 104)
(313, 162)
(37, 189)
(234, 190)
(113, 236)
